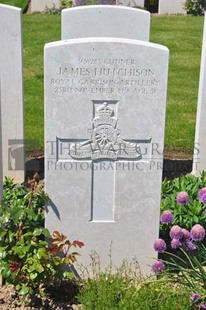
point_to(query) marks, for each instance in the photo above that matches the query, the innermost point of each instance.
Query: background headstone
(171, 7)
(11, 74)
(199, 156)
(131, 3)
(41, 5)
(105, 102)
(105, 21)
(1, 175)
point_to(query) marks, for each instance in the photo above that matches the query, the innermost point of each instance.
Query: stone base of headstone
(171, 7)
(131, 3)
(41, 5)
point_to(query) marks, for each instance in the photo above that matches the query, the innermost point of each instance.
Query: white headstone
(199, 157)
(1, 175)
(171, 7)
(105, 104)
(131, 3)
(41, 5)
(105, 21)
(11, 74)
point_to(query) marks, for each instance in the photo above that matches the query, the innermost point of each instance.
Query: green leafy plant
(188, 214)
(186, 264)
(125, 288)
(27, 259)
(195, 7)
(52, 11)
(151, 5)
(65, 4)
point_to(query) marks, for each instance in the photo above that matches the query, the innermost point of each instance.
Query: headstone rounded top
(110, 40)
(105, 21)
(9, 7)
(104, 8)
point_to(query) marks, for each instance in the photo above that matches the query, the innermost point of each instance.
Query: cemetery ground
(126, 289)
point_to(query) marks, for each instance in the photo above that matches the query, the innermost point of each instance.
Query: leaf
(39, 268)
(46, 233)
(37, 231)
(2, 232)
(57, 237)
(78, 243)
(24, 290)
(68, 275)
(33, 275)
(16, 214)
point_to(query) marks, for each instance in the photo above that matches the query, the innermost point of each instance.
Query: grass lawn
(181, 34)
(19, 3)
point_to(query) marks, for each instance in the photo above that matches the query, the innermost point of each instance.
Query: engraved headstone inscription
(105, 21)
(11, 75)
(199, 155)
(105, 104)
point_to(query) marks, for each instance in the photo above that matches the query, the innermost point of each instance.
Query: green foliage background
(19, 3)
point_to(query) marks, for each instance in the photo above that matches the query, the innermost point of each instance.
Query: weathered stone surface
(105, 104)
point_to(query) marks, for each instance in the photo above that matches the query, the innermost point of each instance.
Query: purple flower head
(175, 243)
(79, 2)
(158, 266)
(182, 198)
(195, 297)
(106, 2)
(186, 234)
(203, 198)
(190, 245)
(167, 217)
(197, 232)
(201, 192)
(176, 232)
(202, 306)
(160, 245)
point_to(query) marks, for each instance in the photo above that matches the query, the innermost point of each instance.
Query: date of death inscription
(107, 76)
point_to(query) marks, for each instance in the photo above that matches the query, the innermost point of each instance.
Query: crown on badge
(104, 109)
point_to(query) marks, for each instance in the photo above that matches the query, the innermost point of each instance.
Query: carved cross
(103, 150)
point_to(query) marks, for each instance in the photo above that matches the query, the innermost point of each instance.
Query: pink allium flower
(176, 232)
(186, 234)
(190, 245)
(201, 192)
(197, 232)
(175, 243)
(203, 198)
(167, 217)
(160, 245)
(182, 198)
(195, 297)
(157, 267)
